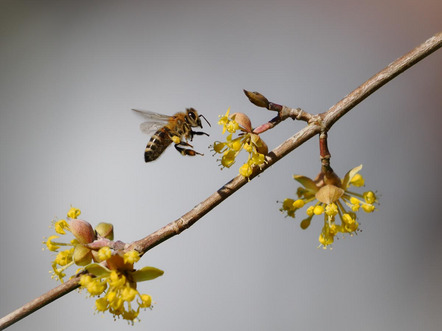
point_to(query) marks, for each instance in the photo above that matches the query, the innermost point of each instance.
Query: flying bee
(170, 129)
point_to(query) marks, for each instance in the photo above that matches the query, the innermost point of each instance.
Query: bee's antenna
(205, 119)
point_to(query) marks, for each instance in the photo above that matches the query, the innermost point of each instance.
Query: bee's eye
(192, 116)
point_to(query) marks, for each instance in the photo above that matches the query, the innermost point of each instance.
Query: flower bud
(318, 210)
(82, 231)
(298, 204)
(369, 197)
(105, 230)
(257, 99)
(82, 255)
(305, 223)
(357, 180)
(243, 121)
(146, 301)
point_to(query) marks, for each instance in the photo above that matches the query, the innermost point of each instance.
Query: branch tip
(257, 99)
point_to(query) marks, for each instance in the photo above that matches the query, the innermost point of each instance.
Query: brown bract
(243, 121)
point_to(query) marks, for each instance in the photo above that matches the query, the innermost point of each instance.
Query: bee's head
(194, 118)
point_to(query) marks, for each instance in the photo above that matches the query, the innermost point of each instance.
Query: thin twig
(39, 302)
(380, 79)
(327, 120)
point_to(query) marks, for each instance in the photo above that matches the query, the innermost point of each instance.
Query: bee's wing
(154, 122)
(150, 115)
(151, 127)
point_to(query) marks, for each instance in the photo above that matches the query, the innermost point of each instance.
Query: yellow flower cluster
(331, 200)
(246, 140)
(64, 259)
(115, 274)
(118, 281)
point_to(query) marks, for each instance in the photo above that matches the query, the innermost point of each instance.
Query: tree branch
(324, 121)
(39, 302)
(381, 78)
(328, 119)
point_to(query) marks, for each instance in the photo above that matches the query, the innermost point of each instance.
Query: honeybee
(170, 129)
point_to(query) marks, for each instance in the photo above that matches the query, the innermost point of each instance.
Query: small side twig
(284, 112)
(351, 100)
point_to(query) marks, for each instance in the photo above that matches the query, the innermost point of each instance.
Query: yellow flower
(75, 252)
(60, 226)
(104, 253)
(369, 197)
(58, 273)
(246, 140)
(121, 289)
(357, 180)
(331, 200)
(228, 158)
(228, 123)
(128, 293)
(218, 147)
(114, 279)
(64, 257)
(146, 301)
(74, 213)
(131, 257)
(94, 285)
(101, 304)
(232, 126)
(246, 170)
(52, 246)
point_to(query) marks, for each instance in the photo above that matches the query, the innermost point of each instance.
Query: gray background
(70, 71)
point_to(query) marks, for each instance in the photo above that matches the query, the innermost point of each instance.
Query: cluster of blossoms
(331, 196)
(246, 140)
(105, 271)
(118, 280)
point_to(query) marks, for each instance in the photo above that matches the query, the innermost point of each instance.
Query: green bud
(105, 230)
(82, 255)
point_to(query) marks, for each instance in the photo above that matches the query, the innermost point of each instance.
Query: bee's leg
(181, 147)
(197, 133)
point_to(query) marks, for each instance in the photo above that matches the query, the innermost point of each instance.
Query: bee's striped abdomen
(157, 144)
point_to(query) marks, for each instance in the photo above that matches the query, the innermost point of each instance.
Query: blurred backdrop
(72, 70)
